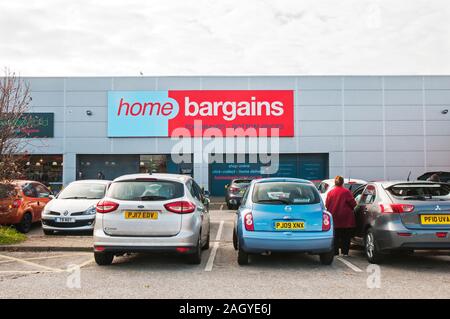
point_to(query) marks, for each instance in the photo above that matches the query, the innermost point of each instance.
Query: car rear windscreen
(83, 191)
(285, 193)
(242, 181)
(420, 191)
(146, 190)
(352, 186)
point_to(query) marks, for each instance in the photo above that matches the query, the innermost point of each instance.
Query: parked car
(443, 176)
(402, 216)
(74, 208)
(22, 202)
(283, 215)
(327, 185)
(152, 212)
(234, 192)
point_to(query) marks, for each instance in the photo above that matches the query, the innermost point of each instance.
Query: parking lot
(75, 274)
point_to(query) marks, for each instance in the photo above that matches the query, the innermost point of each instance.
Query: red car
(22, 202)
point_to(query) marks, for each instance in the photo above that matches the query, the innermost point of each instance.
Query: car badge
(437, 207)
(66, 213)
(288, 209)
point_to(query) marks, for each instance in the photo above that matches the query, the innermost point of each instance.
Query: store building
(369, 127)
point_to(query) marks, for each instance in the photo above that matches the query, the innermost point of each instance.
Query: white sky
(225, 37)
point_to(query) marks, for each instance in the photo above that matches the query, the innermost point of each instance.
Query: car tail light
(105, 206)
(441, 234)
(99, 248)
(182, 249)
(396, 208)
(248, 221)
(404, 234)
(16, 203)
(233, 189)
(180, 207)
(326, 222)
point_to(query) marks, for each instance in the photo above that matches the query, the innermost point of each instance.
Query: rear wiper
(278, 200)
(75, 197)
(416, 198)
(152, 197)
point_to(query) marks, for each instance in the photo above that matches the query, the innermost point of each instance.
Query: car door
(362, 215)
(30, 199)
(196, 192)
(42, 198)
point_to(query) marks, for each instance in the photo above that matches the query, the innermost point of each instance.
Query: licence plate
(140, 215)
(65, 220)
(435, 219)
(289, 225)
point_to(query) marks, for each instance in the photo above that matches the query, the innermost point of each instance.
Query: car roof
(346, 180)
(282, 179)
(99, 181)
(165, 176)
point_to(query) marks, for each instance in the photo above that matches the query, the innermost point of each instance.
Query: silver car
(152, 212)
(402, 216)
(74, 208)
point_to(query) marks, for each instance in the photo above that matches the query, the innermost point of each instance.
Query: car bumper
(258, 242)
(104, 242)
(419, 239)
(81, 224)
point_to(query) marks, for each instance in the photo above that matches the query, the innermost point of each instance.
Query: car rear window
(7, 190)
(420, 191)
(83, 191)
(145, 190)
(352, 186)
(285, 193)
(242, 181)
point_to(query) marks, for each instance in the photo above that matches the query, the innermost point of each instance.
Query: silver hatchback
(152, 212)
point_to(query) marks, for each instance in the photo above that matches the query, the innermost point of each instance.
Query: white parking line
(221, 207)
(31, 263)
(349, 264)
(45, 257)
(210, 263)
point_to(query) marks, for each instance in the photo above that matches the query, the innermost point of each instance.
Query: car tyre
(373, 253)
(103, 259)
(242, 257)
(48, 232)
(195, 258)
(327, 258)
(208, 240)
(25, 224)
(235, 240)
(229, 206)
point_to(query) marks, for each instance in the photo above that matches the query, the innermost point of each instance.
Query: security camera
(88, 112)
(444, 111)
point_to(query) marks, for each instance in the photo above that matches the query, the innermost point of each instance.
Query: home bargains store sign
(160, 113)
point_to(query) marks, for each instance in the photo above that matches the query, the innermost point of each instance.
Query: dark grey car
(235, 191)
(396, 216)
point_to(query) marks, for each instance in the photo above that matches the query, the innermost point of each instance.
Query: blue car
(283, 215)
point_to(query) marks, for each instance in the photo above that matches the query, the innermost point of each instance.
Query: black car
(235, 191)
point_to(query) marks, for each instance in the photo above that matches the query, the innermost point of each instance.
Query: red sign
(231, 113)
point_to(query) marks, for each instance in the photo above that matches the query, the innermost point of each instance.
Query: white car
(152, 212)
(327, 185)
(74, 208)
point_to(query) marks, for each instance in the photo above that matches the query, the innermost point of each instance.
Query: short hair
(338, 180)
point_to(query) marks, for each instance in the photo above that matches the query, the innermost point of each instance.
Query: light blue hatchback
(283, 215)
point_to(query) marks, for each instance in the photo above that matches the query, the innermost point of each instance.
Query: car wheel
(195, 258)
(242, 257)
(48, 232)
(206, 245)
(373, 254)
(103, 259)
(327, 258)
(229, 206)
(235, 240)
(25, 224)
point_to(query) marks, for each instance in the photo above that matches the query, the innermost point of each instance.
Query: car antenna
(409, 175)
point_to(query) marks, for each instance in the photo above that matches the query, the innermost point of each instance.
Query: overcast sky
(225, 37)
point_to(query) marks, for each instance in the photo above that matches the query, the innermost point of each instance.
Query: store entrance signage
(29, 125)
(160, 113)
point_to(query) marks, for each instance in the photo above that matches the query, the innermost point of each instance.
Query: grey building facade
(368, 127)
